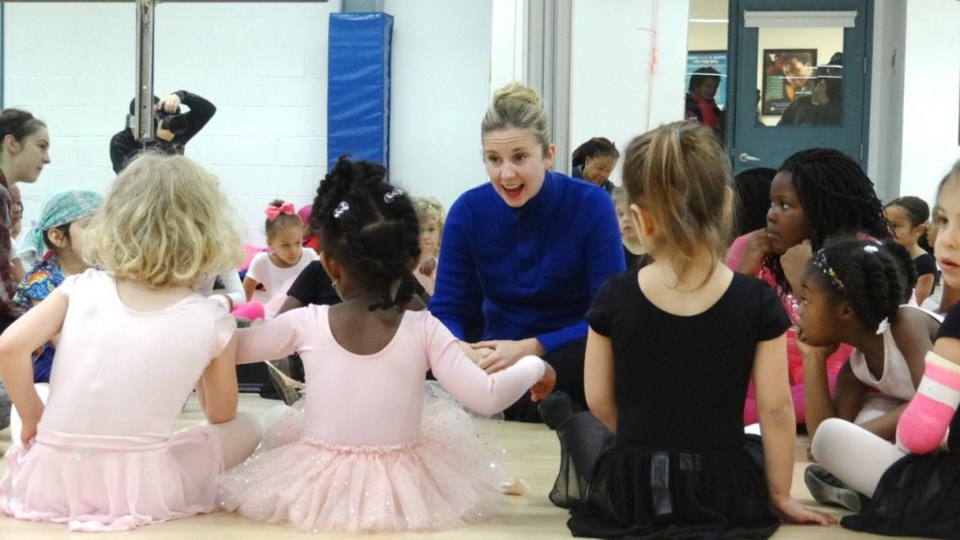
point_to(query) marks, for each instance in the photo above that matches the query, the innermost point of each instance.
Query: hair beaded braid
(370, 227)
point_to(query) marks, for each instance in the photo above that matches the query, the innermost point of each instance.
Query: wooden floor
(533, 454)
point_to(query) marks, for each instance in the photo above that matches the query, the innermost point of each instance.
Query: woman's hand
(545, 385)
(793, 512)
(756, 250)
(505, 352)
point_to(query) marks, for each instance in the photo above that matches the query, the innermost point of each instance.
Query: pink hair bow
(273, 212)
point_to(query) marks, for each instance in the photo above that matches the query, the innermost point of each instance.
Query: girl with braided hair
(914, 484)
(816, 194)
(365, 451)
(853, 291)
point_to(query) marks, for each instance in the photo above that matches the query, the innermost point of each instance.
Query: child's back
(668, 359)
(135, 339)
(369, 452)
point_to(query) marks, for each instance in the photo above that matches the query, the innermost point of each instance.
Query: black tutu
(637, 492)
(917, 496)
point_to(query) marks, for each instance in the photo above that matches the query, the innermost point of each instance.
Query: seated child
(59, 236)
(633, 250)
(135, 340)
(430, 214)
(908, 217)
(277, 270)
(367, 452)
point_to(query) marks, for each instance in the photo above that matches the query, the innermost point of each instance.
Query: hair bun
(517, 92)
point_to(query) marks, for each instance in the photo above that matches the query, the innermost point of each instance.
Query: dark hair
(282, 222)
(701, 76)
(916, 208)
(65, 229)
(877, 277)
(369, 227)
(752, 188)
(18, 123)
(133, 103)
(595, 147)
(803, 57)
(837, 198)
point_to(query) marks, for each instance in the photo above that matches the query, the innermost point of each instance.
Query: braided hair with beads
(874, 277)
(370, 228)
(837, 198)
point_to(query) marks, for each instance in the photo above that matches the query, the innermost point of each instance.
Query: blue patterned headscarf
(62, 208)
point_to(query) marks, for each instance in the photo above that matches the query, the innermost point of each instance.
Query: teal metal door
(800, 72)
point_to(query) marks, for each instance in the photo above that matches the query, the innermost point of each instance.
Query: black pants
(567, 361)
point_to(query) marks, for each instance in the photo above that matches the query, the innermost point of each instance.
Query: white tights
(854, 455)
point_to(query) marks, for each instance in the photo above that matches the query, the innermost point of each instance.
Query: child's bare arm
(778, 428)
(218, 392)
(598, 379)
(33, 329)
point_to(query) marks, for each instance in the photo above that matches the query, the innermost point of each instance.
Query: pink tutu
(98, 483)
(448, 476)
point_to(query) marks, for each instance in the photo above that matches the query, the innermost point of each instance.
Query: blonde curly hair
(164, 223)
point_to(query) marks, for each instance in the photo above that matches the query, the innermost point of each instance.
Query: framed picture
(787, 75)
(715, 59)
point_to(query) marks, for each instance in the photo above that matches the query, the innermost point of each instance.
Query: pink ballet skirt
(448, 476)
(111, 483)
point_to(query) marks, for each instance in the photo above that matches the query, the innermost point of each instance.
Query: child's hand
(755, 252)
(814, 352)
(793, 261)
(793, 512)
(28, 432)
(545, 385)
(427, 266)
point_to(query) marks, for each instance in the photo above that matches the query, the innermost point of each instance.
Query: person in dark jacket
(174, 128)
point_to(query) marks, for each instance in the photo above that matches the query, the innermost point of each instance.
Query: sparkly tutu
(448, 476)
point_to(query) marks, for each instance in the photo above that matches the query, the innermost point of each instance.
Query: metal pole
(143, 110)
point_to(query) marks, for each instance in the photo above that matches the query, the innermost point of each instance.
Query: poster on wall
(787, 75)
(715, 59)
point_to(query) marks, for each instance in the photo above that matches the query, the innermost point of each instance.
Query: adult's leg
(854, 455)
(567, 361)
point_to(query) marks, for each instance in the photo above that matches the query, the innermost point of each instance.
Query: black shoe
(828, 489)
(555, 409)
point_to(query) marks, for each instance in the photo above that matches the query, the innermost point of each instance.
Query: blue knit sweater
(526, 272)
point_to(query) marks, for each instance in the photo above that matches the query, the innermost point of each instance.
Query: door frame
(735, 20)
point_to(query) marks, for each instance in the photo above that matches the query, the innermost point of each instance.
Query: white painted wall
(931, 92)
(440, 90)
(265, 67)
(262, 65)
(628, 65)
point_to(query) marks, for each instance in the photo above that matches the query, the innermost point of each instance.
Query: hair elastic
(340, 209)
(820, 261)
(389, 197)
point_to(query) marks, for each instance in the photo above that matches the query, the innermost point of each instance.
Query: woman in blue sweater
(524, 254)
